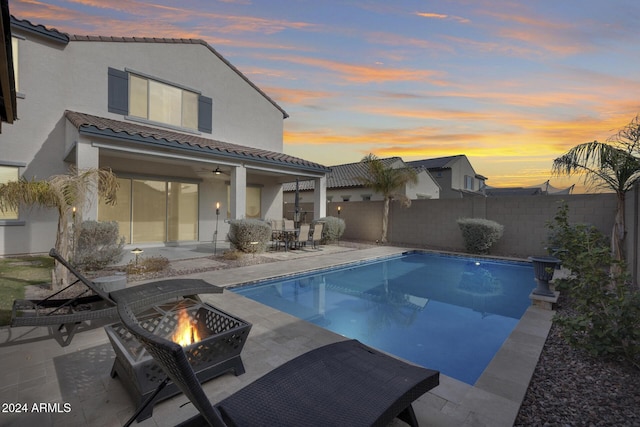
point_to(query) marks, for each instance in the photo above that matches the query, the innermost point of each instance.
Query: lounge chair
(340, 384)
(93, 303)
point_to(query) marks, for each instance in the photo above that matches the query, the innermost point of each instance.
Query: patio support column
(320, 197)
(238, 196)
(87, 157)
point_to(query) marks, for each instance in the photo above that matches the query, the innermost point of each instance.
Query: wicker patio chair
(66, 315)
(340, 384)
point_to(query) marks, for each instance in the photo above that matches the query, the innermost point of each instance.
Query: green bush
(97, 245)
(333, 229)
(605, 315)
(479, 234)
(243, 233)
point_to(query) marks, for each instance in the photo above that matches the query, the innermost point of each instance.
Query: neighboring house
(455, 175)
(181, 127)
(343, 185)
(7, 79)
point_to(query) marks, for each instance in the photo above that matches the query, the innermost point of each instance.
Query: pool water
(448, 313)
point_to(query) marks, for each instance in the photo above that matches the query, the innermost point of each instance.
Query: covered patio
(177, 188)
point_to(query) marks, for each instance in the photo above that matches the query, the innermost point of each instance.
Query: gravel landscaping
(571, 388)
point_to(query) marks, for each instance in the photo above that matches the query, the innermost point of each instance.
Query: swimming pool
(444, 312)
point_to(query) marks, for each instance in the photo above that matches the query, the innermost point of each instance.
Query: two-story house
(455, 175)
(344, 185)
(181, 127)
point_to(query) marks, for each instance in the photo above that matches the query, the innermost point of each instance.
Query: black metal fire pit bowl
(222, 337)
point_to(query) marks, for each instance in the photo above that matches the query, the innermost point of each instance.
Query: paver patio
(76, 384)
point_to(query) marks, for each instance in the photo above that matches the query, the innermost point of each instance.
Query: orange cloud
(297, 96)
(352, 73)
(441, 16)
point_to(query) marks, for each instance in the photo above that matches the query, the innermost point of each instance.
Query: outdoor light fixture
(136, 252)
(217, 172)
(215, 233)
(339, 209)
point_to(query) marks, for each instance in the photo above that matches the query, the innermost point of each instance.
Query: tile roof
(437, 163)
(128, 131)
(65, 38)
(341, 176)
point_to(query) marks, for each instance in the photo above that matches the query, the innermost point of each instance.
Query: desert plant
(612, 165)
(249, 235)
(479, 234)
(605, 315)
(67, 193)
(333, 229)
(98, 244)
(147, 265)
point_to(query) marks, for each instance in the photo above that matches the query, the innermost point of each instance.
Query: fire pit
(212, 340)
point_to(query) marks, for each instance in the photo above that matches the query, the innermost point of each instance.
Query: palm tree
(68, 194)
(387, 181)
(613, 165)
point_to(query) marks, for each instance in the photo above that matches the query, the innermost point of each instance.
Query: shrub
(479, 234)
(333, 229)
(243, 233)
(147, 265)
(98, 244)
(232, 255)
(605, 320)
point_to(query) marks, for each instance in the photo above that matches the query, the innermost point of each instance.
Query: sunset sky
(511, 84)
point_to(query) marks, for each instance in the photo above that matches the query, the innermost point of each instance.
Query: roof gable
(65, 38)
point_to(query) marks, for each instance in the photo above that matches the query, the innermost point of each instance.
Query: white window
(468, 182)
(163, 103)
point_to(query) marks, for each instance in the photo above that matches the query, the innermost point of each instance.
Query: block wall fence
(432, 223)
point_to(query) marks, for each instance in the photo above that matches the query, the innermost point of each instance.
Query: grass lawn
(15, 275)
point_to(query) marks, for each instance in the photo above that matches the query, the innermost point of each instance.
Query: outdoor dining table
(289, 235)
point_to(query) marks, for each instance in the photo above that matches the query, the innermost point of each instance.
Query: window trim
(16, 221)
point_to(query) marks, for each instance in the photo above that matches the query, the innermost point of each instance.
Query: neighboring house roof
(65, 38)
(440, 163)
(7, 78)
(532, 190)
(126, 131)
(437, 163)
(341, 176)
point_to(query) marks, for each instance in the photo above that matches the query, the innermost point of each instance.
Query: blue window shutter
(118, 92)
(205, 114)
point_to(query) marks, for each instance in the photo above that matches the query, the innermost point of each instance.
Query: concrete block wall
(432, 223)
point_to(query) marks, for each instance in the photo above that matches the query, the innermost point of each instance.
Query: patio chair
(93, 303)
(303, 235)
(340, 384)
(289, 224)
(318, 229)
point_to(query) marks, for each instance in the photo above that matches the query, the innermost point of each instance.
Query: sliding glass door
(154, 211)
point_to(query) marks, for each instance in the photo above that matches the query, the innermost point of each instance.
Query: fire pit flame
(186, 333)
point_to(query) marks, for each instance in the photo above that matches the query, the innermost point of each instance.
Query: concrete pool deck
(37, 370)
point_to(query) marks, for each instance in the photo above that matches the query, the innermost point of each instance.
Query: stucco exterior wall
(55, 77)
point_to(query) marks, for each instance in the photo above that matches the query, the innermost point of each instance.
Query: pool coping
(495, 398)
